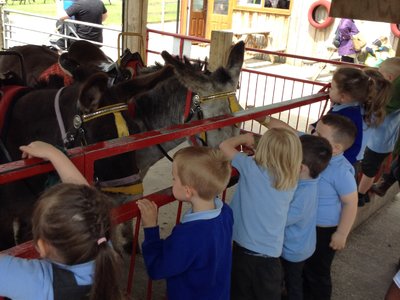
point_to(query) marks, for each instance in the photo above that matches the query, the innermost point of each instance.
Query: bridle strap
(104, 111)
(59, 116)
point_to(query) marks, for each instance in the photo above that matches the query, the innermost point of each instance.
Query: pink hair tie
(101, 240)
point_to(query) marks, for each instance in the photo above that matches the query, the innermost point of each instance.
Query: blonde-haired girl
(260, 206)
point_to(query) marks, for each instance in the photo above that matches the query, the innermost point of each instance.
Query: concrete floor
(365, 268)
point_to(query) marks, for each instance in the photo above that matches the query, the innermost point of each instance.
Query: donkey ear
(91, 92)
(235, 58)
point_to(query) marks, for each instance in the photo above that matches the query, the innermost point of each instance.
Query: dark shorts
(372, 162)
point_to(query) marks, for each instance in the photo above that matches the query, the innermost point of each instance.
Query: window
(198, 5)
(221, 7)
(274, 4)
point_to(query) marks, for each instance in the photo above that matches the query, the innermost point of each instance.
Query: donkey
(39, 62)
(68, 118)
(164, 105)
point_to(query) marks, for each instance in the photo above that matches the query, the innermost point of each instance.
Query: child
(300, 237)
(196, 258)
(260, 206)
(354, 95)
(71, 230)
(337, 205)
(382, 138)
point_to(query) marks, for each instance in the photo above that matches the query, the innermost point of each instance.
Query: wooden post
(135, 20)
(221, 42)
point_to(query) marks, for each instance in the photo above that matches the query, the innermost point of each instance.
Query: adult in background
(347, 28)
(91, 11)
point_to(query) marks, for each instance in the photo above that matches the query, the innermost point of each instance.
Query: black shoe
(366, 198)
(381, 187)
(361, 200)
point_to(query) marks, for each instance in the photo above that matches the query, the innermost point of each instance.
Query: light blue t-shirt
(300, 234)
(22, 279)
(259, 210)
(383, 138)
(335, 181)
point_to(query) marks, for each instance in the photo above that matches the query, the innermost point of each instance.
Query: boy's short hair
(317, 152)
(391, 66)
(204, 169)
(344, 131)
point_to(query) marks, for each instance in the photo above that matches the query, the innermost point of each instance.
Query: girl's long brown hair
(369, 88)
(72, 218)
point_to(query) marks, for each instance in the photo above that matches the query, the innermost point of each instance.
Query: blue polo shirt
(22, 279)
(335, 181)
(300, 235)
(259, 210)
(354, 113)
(383, 138)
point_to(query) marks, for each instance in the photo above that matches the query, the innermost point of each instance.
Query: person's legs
(388, 179)
(255, 277)
(347, 59)
(370, 165)
(242, 270)
(293, 274)
(267, 278)
(317, 269)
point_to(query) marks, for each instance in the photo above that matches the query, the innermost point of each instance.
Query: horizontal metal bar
(25, 168)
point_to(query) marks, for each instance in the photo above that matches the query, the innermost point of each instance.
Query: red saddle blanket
(55, 69)
(7, 94)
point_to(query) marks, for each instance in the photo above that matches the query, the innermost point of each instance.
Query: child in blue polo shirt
(260, 206)
(300, 237)
(337, 205)
(196, 258)
(382, 138)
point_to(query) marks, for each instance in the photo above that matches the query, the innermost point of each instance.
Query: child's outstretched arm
(271, 122)
(63, 165)
(347, 217)
(228, 147)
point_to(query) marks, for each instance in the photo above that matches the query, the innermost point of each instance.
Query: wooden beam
(135, 20)
(372, 10)
(221, 42)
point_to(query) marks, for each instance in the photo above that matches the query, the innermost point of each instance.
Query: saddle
(55, 69)
(7, 94)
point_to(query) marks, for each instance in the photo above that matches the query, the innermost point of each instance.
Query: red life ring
(395, 29)
(311, 14)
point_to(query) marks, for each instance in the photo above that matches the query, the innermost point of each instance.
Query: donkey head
(223, 80)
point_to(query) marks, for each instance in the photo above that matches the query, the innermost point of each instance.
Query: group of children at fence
(293, 208)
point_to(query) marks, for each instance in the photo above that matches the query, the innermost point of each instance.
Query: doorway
(198, 17)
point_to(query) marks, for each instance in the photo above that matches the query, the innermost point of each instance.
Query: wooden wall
(295, 33)
(278, 25)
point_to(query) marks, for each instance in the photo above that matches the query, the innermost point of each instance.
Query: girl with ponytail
(72, 232)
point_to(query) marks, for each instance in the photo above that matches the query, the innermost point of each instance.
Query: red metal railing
(85, 157)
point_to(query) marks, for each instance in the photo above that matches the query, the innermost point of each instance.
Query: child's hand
(338, 241)
(148, 210)
(37, 149)
(248, 140)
